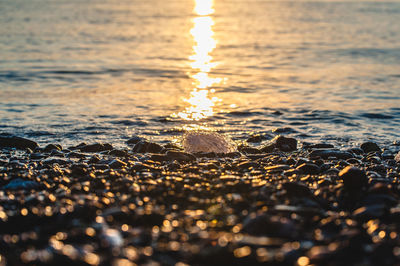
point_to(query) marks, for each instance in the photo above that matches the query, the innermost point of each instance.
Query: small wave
(377, 116)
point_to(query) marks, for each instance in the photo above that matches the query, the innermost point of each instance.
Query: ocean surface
(104, 70)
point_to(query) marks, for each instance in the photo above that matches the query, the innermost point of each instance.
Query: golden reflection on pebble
(92, 259)
(242, 252)
(303, 261)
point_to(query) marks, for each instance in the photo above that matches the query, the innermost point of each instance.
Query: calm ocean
(104, 70)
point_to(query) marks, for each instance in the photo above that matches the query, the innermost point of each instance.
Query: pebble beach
(271, 202)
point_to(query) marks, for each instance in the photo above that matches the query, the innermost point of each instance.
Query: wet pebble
(97, 147)
(19, 183)
(368, 147)
(309, 168)
(353, 177)
(17, 142)
(325, 154)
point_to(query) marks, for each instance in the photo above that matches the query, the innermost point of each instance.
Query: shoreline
(279, 203)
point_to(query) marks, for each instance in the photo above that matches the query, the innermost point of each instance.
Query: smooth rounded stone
(281, 130)
(53, 160)
(277, 168)
(296, 189)
(374, 159)
(79, 169)
(159, 158)
(51, 147)
(356, 150)
(17, 142)
(272, 226)
(309, 169)
(256, 138)
(248, 150)
(286, 144)
(379, 198)
(368, 147)
(97, 147)
(291, 172)
(172, 146)
(353, 177)
(319, 146)
(117, 164)
(147, 147)
(205, 142)
(139, 166)
(77, 147)
(57, 153)
(268, 148)
(118, 153)
(326, 154)
(134, 140)
(374, 211)
(246, 165)
(19, 183)
(180, 156)
(73, 154)
(94, 159)
(37, 156)
(354, 161)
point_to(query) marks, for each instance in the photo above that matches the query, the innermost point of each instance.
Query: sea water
(104, 70)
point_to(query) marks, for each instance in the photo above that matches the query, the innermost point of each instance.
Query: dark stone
(17, 142)
(159, 158)
(180, 156)
(118, 153)
(281, 130)
(247, 165)
(368, 147)
(286, 144)
(59, 161)
(277, 168)
(76, 155)
(57, 153)
(145, 146)
(270, 147)
(79, 169)
(353, 178)
(97, 147)
(248, 150)
(171, 146)
(357, 151)
(366, 213)
(272, 226)
(319, 146)
(325, 154)
(296, 189)
(37, 156)
(309, 168)
(134, 140)
(94, 159)
(19, 183)
(256, 138)
(52, 147)
(117, 164)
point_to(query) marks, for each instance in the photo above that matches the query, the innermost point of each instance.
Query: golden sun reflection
(201, 104)
(204, 7)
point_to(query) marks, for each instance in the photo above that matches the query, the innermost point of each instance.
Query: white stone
(200, 141)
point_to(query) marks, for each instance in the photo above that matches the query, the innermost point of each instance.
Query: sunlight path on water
(201, 103)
